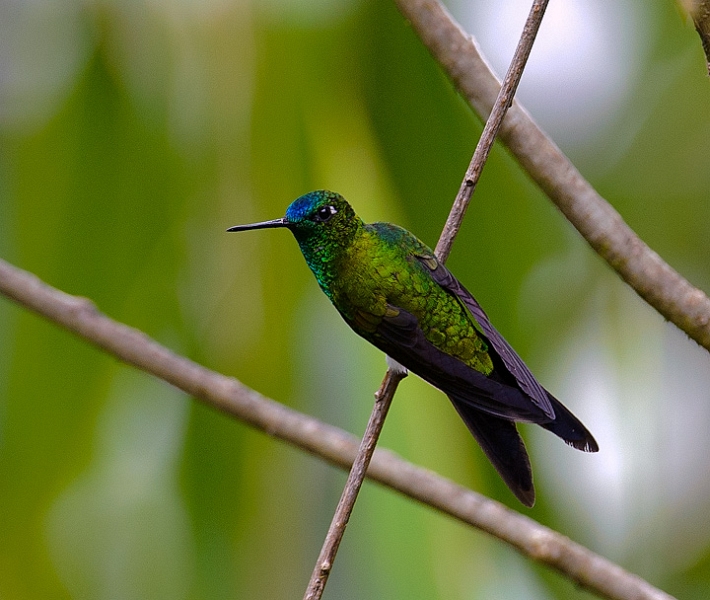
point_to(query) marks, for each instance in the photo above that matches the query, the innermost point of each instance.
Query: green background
(133, 134)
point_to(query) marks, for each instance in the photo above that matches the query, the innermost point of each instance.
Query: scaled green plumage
(393, 256)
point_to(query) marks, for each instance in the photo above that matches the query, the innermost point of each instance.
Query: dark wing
(399, 335)
(488, 407)
(515, 365)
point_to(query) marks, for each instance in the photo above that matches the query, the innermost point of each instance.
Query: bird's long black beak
(283, 222)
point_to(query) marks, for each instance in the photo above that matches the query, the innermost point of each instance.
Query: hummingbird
(390, 288)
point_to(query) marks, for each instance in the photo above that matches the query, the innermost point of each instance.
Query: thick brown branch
(595, 219)
(79, 316)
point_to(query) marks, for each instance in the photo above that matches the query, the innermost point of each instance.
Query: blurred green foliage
(133, 134)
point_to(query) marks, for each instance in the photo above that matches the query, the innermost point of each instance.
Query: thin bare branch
(324, 564)
(490, 131)
(79, 316)
(326, 558)
(596, 220)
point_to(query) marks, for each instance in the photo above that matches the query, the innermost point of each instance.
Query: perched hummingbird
(390, 288)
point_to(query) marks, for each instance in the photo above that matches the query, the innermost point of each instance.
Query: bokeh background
(133, 133)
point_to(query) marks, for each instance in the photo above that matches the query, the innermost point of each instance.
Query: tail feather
(570, 428)
(504, 447)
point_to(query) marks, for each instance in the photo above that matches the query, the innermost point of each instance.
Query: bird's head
(318, 220)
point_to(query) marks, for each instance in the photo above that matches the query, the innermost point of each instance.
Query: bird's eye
(324, 213)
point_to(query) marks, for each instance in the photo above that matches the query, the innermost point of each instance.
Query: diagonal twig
(356, 476)
(490, 131)
(324, 563)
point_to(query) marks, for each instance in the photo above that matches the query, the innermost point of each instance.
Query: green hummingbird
(391, 289)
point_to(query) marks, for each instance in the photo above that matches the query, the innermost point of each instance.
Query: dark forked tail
(502, 444)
